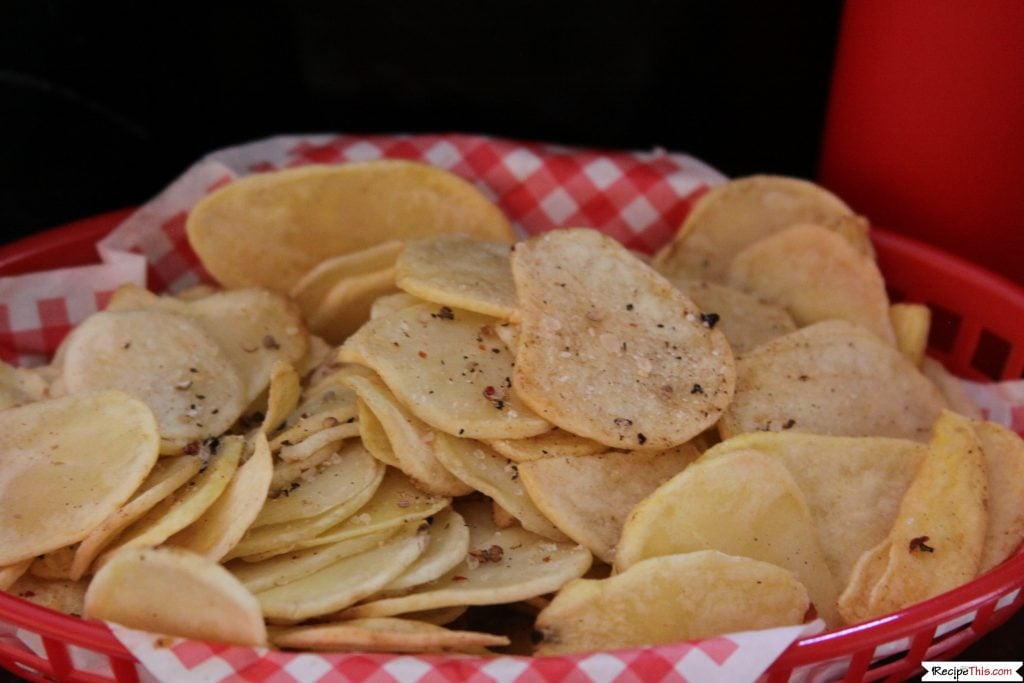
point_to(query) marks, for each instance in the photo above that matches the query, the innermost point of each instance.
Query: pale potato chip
(327, 437)
(449, 368)
(409, 438)
(196, 292)
(390, 303)
(282, 397)
(745, 320)
(831, 378)
(19, 386)
(165, 360)
(131, 297)
(55, 473)
(373, 436)
(815, 275)
(326, 401)
(134, 589)
(952, 389)
(337, 480)
(164, 479)
(461, 272)
(504, 565)
(62, 595)
(288, 567)
(347, 305)
(439, 616)
(312, 289)
(385, 635)
(55, 564)
(344, 582)
(853, 485)
(319, 354)
(609, 350)
(938, 537)
(671, 599)
(222, 526)
(735, 215)
(484, 470)
(556, 443)
(447, 547)
(589, 497)
(287, 472)
(742, 503)
(911, 323)
(1004, 460)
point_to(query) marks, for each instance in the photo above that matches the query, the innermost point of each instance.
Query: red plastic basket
(978, 332)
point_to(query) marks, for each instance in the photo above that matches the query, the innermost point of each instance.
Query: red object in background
(925, 128)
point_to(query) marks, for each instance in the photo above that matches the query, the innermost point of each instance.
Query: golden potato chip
(671, 599)
(325, 438)
(853, 485)
(589, 497)
(449, 368)
(163, 359)
(461, 272)
(55, 473)
(937, 540)
(12, 572)
(503, 565)
(911, 323)
(390, 303)
(410, 438)
(816, 275)
(312, 288)
(62, 595)
(745, 320)
(347, 305)
(344, 582)
(19, 386)
(609, 350)
(1004, 460)
(164, 479)
(222, 526)
(134, 589)
(312, 213)
(742, 503)
(282, 397)
(735, 215)
(952, 389)
(831, 378)
(385, 635)
(374, 438)
(448, 545)
(556, 443)
(486, 471)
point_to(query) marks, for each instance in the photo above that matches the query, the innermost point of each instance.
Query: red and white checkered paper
(640, 198)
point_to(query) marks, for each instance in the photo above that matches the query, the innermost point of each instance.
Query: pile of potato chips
(395, 430)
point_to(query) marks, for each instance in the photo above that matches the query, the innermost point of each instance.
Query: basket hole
(991, 354)
(944, 329)
(895, 295)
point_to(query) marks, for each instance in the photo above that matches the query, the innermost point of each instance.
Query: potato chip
(62, 595)
(439, 617)
(12, 572)
(742, 503)
(937, 540)
(374, 438)
(816, 275)
(196, 292)
(283, 396)
(447, 547)
(952, 389)
(55, 473)
(504, 565)
(556, 443)
(390, 303)
(286, 472)
(1004, 460)
(461, 272)
(671, 599)
(322, 404)
(745, 320)
(344, 582)
(19, 386)
(134, 588)
(831, 378)
(911, 323)
(165, 360)
(222, 526)
(609, 350)
(347, 305)
(588, 498)
(409, 438)
(131, 297)
(312, 213)
(450, 370)
(853, 485)
(312, 289)
(508, 333)
(337, 480)
(55, 564)
(325, 438)
(164, 479)
(486, 471)
(318, 355)
(288, 567)
(737, 214)
(386, 635)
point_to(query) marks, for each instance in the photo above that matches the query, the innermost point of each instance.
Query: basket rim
(1004, 578)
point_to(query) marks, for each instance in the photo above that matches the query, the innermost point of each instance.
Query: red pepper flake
(459, 578)
(481, 347)
(191, 448)
(270, 343)
(547, 558)
(422, 354)
(920, 543)
(489, 391)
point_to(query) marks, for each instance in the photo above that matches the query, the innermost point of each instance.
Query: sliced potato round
(1004, 460)
(374, 438)
(312, 289)
(386, 635)
(504, 565)
(55, 471)
(447, 547)
(588, 498)
(439, 616)
(831, 378)
(12, 572)
(19, 386)
(134, 588)
(816, 275)
(911, 323)
(449, 368)
(62, 595)
(282, 396)
(327, 437)
(312, 213)
(508, 333)
(609, 349)
(556, 443)
(671, 599)
(323, 404)
(287, 472)
(347, 305)
(390, 303)
(743, 211)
